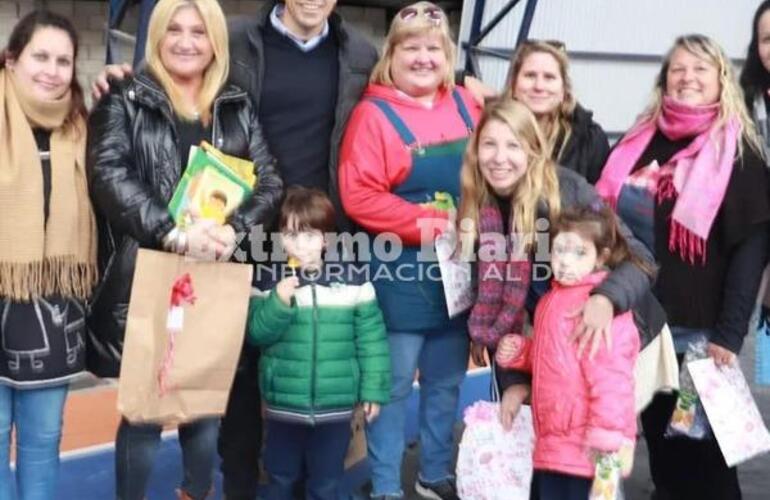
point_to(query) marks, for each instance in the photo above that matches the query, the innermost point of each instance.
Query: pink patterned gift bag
(731, 409)
(493, 464)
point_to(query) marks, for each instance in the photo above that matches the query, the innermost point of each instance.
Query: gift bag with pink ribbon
(184, 332)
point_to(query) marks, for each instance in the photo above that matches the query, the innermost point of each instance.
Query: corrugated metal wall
(611, 41)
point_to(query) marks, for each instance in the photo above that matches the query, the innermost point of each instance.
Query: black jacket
(134, 166)
(587, 147)
(357, 57)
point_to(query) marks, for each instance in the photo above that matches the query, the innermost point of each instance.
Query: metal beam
(526, 22)
(145, 11)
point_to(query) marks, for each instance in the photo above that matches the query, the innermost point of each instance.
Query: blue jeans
(137, 444)
(36, 414)
(320, 449)
(442, 359)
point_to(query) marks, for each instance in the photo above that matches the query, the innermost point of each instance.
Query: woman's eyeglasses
(433, 14)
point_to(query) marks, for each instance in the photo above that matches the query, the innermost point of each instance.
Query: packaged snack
(608, 480)
(493, 464)
(689, 418)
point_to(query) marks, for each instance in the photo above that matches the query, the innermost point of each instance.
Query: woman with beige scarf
(47, 246)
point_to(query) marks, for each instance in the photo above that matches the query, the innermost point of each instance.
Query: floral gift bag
(494, 464)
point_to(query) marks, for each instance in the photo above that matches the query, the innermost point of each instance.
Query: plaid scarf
(504, 280)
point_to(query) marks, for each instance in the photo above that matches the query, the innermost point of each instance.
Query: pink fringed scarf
(701, 170)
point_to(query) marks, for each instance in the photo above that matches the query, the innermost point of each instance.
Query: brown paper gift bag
(357, 447)
(180, 353)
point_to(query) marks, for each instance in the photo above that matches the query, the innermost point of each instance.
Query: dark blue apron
(410, 292)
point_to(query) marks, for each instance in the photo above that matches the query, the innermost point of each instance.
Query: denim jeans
(36, 414)
(137, 444)
(292, 449)
(442, 359)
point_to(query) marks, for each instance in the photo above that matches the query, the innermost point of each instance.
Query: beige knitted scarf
(39, 258)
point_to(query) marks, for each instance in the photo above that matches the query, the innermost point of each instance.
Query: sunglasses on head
(430, 12)
(556, 44)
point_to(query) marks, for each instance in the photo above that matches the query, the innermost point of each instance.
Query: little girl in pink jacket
(582, 404)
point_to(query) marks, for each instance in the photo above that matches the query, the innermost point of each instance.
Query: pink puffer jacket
(578, 404)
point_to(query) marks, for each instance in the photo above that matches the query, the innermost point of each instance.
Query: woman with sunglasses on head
(47, 247)
(141, 134)
(403, 145)
(689, 180)
(539, 77)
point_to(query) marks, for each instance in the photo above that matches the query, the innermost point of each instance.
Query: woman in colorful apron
(400, 180)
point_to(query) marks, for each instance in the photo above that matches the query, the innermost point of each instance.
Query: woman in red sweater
(403, 146)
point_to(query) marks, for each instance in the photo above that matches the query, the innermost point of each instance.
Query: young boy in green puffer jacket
(324, 351)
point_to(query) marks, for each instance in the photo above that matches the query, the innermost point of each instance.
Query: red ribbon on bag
(182, 292)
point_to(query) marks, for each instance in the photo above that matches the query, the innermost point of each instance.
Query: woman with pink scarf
(690, 181)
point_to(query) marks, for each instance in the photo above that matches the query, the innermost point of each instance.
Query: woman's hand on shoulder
(101, 85)
(593, 325)
(478, 89)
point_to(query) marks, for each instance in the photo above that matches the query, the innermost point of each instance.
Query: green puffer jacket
(323, 354)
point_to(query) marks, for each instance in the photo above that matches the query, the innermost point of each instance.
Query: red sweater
(374, 159)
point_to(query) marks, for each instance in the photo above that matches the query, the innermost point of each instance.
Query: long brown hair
(21, 36)
(599, 225)
(557, 127)
(538, 184)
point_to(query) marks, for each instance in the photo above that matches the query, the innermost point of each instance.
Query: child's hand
(371, 411)
(507, 349)
(285, 289)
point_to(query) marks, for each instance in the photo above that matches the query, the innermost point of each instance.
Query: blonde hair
(558, 126)
(731, 100)
(419, 25)
(214, 76)
(539, 184)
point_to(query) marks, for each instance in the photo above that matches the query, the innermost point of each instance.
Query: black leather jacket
(133, 168)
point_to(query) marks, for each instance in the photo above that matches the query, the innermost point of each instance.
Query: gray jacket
(357, 57)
